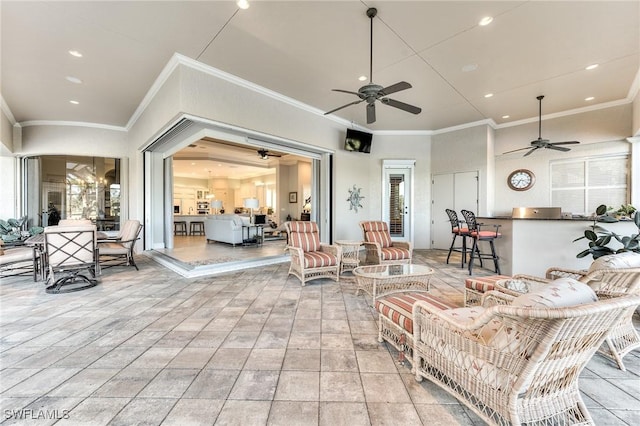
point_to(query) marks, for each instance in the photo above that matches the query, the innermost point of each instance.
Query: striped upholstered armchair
(380, 248)
(311, 259)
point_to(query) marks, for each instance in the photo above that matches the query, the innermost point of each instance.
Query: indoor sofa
(228, 228)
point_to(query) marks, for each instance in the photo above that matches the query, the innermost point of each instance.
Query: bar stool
(478, 235)
(180, 227)
(457, 231)
(196, 228)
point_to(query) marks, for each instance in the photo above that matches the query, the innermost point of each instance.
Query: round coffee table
(378, 280)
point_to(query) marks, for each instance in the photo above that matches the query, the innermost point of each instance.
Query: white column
(635, 170)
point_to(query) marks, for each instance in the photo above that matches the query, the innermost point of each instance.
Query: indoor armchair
(311, 259)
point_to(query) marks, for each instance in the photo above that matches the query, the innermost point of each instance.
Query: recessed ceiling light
(505, 116)
(592, 67)
(75, 53)
(193, 164)
(243, 4)
(485, 21)
(488, 95)
(362, 78)
(590, 98)
(469, 67)
(74, 102)
(72, 79)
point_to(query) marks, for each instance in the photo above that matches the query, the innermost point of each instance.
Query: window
(579, 186)
(73, 187)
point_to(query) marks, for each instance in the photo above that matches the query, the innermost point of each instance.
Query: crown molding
(7, 111)
(73, 124)
(566, 113)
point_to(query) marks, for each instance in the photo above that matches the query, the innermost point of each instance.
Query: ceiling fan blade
(401, 105)
(344, 106)
(531, 151)
(558, 148)
(403, 85)
(346, 91)
(516, 150)
(565, 143)
(371, 113)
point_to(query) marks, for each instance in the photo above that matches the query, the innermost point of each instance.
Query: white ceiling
(303, 49)
(209, 159)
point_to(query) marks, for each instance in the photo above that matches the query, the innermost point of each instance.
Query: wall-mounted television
(358, 141)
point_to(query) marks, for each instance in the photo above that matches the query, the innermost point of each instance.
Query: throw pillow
(558, 293)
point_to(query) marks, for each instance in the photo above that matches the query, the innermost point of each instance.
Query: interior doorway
(274, 198)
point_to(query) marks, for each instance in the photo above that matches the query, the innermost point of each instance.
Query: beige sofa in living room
(228, 228)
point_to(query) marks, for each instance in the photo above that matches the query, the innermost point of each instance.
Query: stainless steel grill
(536, 213)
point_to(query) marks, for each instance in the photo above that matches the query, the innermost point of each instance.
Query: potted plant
(599, 237)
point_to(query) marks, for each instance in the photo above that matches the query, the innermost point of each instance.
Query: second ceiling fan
(372, 92)
(543, 143)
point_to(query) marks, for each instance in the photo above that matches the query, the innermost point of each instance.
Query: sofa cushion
(484, 284)
(556, 294)
(318, 259)
(398, 307)
(394, 253)
(626, 259)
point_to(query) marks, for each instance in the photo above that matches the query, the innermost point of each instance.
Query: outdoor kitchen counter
(531, 246)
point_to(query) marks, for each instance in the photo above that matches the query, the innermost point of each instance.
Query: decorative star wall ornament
(354, 198)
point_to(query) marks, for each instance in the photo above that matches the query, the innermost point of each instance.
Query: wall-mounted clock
(521, 180)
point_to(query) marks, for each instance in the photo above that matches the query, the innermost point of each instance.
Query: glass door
(397, 198)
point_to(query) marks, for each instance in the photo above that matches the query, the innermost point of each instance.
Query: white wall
(6, 134)
(600, 132)
(636, 115)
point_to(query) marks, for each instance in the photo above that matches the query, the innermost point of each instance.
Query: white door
(456, 191)
(397, 198)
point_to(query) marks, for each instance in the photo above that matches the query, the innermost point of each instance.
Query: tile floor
(251, 347)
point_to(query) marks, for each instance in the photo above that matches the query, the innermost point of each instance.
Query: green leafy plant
(625, 210)
(599, 237)
(14, 230)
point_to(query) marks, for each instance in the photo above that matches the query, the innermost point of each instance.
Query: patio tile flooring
(251, 347)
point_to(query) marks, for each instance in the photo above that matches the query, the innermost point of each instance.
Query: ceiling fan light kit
(543, 143)
(265, 154)
(372, 92)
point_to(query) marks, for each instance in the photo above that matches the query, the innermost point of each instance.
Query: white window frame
(586, 187)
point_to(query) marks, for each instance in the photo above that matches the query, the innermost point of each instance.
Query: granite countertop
(575, 218)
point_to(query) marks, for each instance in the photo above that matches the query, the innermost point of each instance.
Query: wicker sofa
(610, 276)
(514, 364)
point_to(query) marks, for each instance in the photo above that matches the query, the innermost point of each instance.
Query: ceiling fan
(265, 154)
(372, 92)
(543, 143)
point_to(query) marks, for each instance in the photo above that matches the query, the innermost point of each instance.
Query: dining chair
(119, 250)
(70, 250)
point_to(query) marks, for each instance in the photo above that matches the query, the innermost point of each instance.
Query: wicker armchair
(311, 259)
(380, 248)
(528, 371)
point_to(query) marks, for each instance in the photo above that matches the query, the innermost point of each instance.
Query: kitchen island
(531, 246)
(189, 218)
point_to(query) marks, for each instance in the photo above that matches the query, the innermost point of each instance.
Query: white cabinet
(201, 194)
